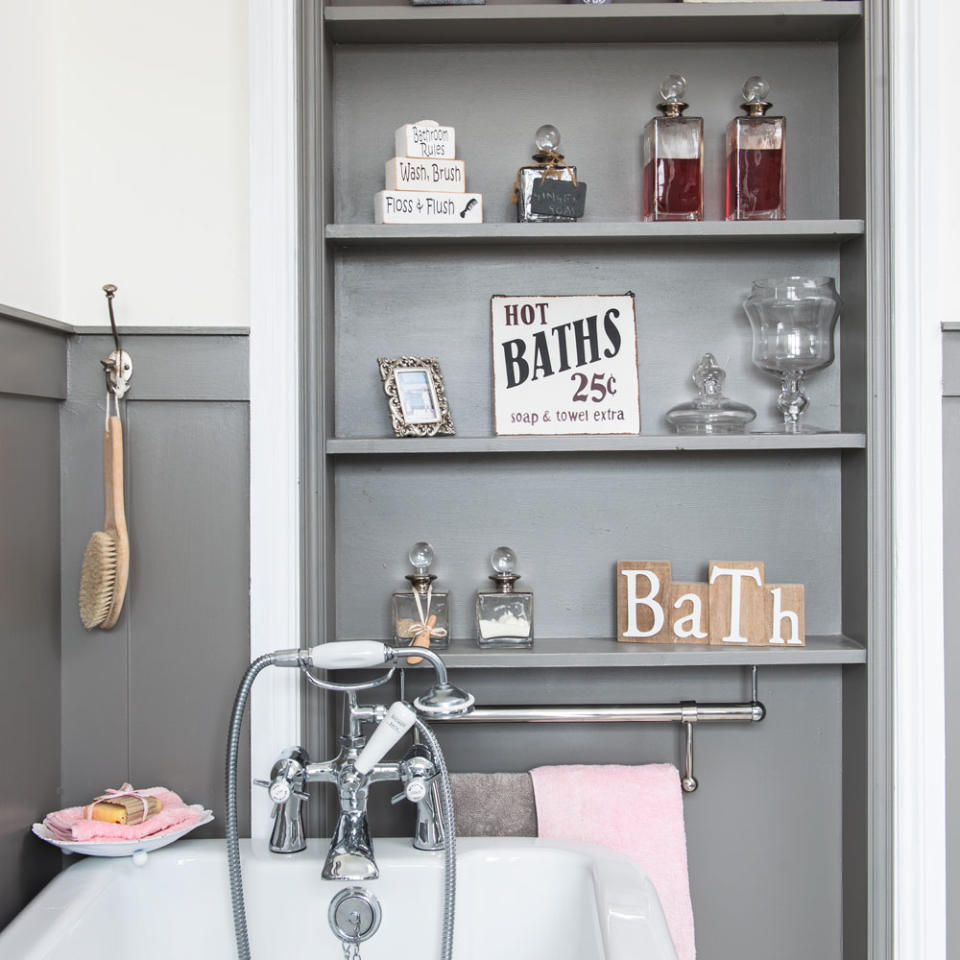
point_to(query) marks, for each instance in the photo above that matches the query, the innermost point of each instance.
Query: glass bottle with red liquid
(673, 158)
(756, 186)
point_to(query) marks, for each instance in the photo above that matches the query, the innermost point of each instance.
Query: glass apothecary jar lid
(421, 558)
(755, 92)
(711, 411)
(504, 563)
(673, 89)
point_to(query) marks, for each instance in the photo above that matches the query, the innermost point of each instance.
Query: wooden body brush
(106, 562)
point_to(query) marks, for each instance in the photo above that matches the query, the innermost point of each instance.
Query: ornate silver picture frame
(415, 394)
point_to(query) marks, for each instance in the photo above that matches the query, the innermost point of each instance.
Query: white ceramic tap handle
(392, 727)
(349, 654)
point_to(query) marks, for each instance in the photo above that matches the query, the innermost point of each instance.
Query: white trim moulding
(919, 74)
(274, 387)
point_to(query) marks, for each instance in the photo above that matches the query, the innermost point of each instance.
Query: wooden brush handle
(115, 519)
(114, 516)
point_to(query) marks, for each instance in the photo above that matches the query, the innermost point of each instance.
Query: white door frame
(921, 115)
(274, 387)
(918, 31)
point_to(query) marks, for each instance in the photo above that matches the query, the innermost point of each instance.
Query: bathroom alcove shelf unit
(806, 786)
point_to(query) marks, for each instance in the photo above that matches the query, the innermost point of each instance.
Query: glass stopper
(421, 556)
(755, 90)
(709, 376)
(673, 88)
(503, 560)
(547, 137)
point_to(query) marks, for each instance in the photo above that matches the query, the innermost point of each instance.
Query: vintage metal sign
(565, 365)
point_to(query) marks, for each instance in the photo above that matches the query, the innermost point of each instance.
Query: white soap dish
(123, 848)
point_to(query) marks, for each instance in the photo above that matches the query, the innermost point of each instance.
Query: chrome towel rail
(687, 713)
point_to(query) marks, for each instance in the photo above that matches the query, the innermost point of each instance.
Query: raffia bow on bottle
(425, 629)
(553, 166)
(136, 803)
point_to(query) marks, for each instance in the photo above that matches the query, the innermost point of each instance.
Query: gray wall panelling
(951, 637)
(781, 829)
(33, 372)
(149, 701)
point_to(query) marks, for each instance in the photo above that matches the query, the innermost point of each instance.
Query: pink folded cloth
(69, 824)
(635, 810)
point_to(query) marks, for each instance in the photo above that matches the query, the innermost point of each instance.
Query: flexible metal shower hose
(233, 831)
(449, 843)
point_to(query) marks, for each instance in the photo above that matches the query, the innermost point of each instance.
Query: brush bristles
(98, 579)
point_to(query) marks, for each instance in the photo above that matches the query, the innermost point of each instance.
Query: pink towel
(70, 825)
(635, 810)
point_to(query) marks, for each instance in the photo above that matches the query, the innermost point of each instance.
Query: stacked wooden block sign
(735, 606)
(425, 183)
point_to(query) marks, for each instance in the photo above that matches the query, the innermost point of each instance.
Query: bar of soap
(126, 811)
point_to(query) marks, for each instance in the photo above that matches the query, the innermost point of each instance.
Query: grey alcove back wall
(764, 834)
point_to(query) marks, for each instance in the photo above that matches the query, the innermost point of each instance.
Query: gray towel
(494, 804)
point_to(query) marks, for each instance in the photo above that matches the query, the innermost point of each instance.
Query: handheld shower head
(444, 700)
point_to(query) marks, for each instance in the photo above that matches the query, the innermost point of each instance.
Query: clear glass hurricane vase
(793, 321)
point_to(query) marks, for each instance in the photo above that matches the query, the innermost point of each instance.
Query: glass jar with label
(548, 168)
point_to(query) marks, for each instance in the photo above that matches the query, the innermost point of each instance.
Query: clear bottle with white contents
(504, 615)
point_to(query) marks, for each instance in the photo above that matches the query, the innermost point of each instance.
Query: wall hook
(118, 367)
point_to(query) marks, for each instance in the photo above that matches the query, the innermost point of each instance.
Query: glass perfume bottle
(504, 615)
(548, 163)
(756, 159)
(711, 412)
(421, 613)
(673, 158)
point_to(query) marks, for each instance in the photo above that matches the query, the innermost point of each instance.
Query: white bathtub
(534, 899)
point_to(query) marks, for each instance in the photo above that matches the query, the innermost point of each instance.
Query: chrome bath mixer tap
(358, 765)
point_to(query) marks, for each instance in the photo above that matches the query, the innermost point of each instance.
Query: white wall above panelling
(130, 164)
(155, 161)
(29, 189)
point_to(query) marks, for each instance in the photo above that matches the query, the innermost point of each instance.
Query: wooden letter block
(426, 138)
(418, 206)
(783, 614)
(688, 610)
(737, 604)
(440, 176)
(642, 588)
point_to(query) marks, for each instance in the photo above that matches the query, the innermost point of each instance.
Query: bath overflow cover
(354, 915)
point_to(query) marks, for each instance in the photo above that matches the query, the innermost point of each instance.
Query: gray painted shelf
(604, 652)
(645, 443)
(619, 23)
(710, 231)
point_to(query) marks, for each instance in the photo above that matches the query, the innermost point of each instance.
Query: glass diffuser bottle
(673, 158)
(504, 615)
(421, 614)
(756, 159)
(548, 162)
